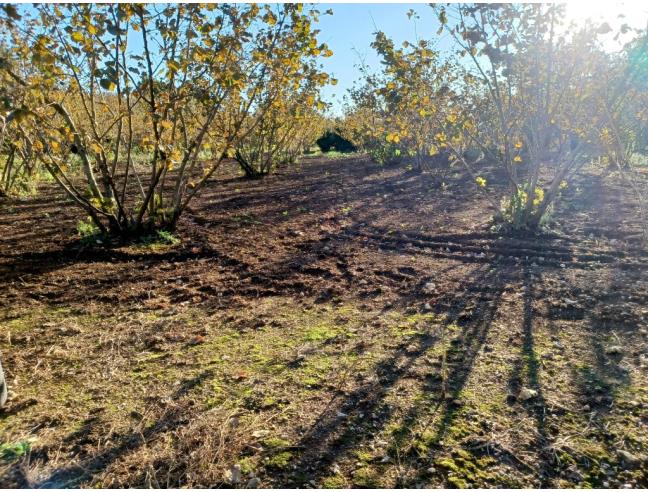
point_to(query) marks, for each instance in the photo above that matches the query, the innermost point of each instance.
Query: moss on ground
(451, 389)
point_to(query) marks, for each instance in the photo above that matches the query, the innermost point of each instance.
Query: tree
(184, 98)
(540, 114)
(18, 163)
(287, 117)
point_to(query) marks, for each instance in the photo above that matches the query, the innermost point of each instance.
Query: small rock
(429, 288)
(614, 350)
(234, 474)
(336, 469)
(431, 470)
(253, 483)
(427, 307)
(385, 459)
(575, 476)
(628, 460)
(527, 394)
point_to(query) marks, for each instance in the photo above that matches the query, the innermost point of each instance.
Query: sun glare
(634, 14)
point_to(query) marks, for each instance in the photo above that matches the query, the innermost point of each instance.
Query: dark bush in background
(332, 140)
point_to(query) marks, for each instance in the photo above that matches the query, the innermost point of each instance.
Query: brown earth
(334, 325)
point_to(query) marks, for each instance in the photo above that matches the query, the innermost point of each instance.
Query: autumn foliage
(153, 98)
(132, 108)
(520, 90)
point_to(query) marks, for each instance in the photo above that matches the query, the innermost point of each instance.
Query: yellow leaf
(270, 19)
(173, 66)
(517, 158)
(77, 36)
(166, 124)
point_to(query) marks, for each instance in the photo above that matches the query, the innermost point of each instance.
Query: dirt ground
(334, 325)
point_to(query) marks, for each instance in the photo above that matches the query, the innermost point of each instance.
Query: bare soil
(336, 325)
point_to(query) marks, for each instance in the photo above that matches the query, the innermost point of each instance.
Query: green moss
(12, 451)
(464, 469)
(319, 333)
(268, 402)
(448, 464)
(247, 465)
(363, 456)
(275, 443)
(280, 460)
(311, 381)
(366, 477)
(334, 482)
(457, 483)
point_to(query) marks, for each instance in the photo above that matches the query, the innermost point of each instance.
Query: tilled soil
(336, 324)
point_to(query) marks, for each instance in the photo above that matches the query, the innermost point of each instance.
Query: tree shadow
(321, 265)
(344, 426)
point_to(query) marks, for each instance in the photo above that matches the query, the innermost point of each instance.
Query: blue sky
(349, 32)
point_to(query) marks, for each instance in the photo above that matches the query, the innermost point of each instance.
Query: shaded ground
(335, 325)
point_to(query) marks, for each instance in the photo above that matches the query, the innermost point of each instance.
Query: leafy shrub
(387, 154)
(332, 140)
(87, 229)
